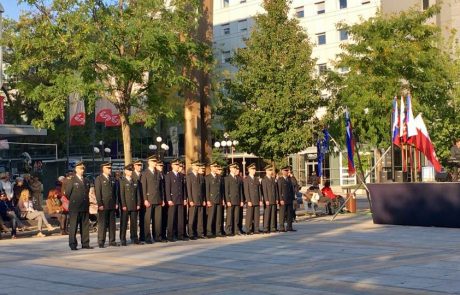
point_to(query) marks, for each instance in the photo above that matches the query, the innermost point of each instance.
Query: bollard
(351, 204)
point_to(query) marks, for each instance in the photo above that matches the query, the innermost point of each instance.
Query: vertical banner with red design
(76, 110)
(107, 113)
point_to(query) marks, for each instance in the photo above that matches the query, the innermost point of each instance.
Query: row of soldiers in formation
(161, 201)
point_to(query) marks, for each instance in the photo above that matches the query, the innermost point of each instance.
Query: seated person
(54, 205)
(336, 200)
(314, 198)
(7, 211)
(455, 156)
(28, 212)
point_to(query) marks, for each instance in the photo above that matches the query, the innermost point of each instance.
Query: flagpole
(392, 149)
(68, 132)
(361, 169)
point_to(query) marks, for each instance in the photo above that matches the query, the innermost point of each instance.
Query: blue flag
(322, 146)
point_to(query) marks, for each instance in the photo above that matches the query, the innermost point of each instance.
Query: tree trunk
(126, 135)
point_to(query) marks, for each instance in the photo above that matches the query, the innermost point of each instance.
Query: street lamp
(159, 146)
(227, 143)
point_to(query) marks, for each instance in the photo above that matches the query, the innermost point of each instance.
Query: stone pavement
(348, 256)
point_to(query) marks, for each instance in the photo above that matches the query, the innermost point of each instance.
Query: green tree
(121, 50)
(393, 55)
(271, 101)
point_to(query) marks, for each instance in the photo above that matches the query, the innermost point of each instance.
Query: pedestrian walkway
(348, 256)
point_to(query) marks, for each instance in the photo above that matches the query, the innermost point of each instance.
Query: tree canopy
(394, 55)
(270, 103)
(132, 53)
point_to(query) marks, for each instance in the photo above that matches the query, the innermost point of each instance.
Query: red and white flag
(77, 116)
(423, 143)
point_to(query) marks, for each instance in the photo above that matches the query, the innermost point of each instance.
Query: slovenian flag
(350, 144)
(395, 118)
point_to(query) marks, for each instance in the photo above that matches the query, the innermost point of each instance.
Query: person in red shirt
(336, 200)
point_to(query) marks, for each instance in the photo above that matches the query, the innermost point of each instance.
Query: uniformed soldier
(174, 185)
(130, 205)
(215, 202)
(182, 172)
(251, 187)
(164, 212)
(197, 202)
(222, 182)
(153, 201)
(76, 188)
(202, 173)
(286, 197)
(234, 199)
(104, 188)
(270, 195)
(137, 179)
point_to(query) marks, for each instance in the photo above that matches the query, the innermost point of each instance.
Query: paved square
(348, 256)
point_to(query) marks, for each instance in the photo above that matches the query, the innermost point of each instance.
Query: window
(344, 70)
(320, 7)
(322, 68)
(343, 35)
(226, 29)
(343, 4)
(365, 2)
(321, 38)
(226, 3)
(226, 56)
(425, 4)
(243, 25)
(242, 1)
(299, 12)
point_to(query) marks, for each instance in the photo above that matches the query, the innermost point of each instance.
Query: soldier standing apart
(153, 201)
(215, 202)
(251, 186)
(286, 197)
(76, 188)
(174, 185)
(202, 173)
(130, 205)
(196, 201)
(234, 198)
(137, 179)
(270, 193)
(104, 189)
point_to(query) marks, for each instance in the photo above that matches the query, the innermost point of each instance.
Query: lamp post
(227, 143)
(159, 146)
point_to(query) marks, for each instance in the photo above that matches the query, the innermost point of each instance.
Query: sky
(12, 8)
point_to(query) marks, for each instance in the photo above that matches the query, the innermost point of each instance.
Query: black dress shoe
(185, 239)
(115, 244)
(282, 230)
(87, 247)
(257, 232)
(101, 246)
(192, 238)
(171, 240)
(124, 243)
(292, 229)
(249, 233)
(136, 242)
(210, 237)
(148, 242)
(73, 248)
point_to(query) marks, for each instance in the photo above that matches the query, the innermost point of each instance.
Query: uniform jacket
(270, 190)
(137, 179)
(105, 192)
(251, 188)
(233, 190)
(174, 185)
(77, 192)
(128, 192)
(195, 189)
(214, 189)
(285, 190)
(151, 187)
